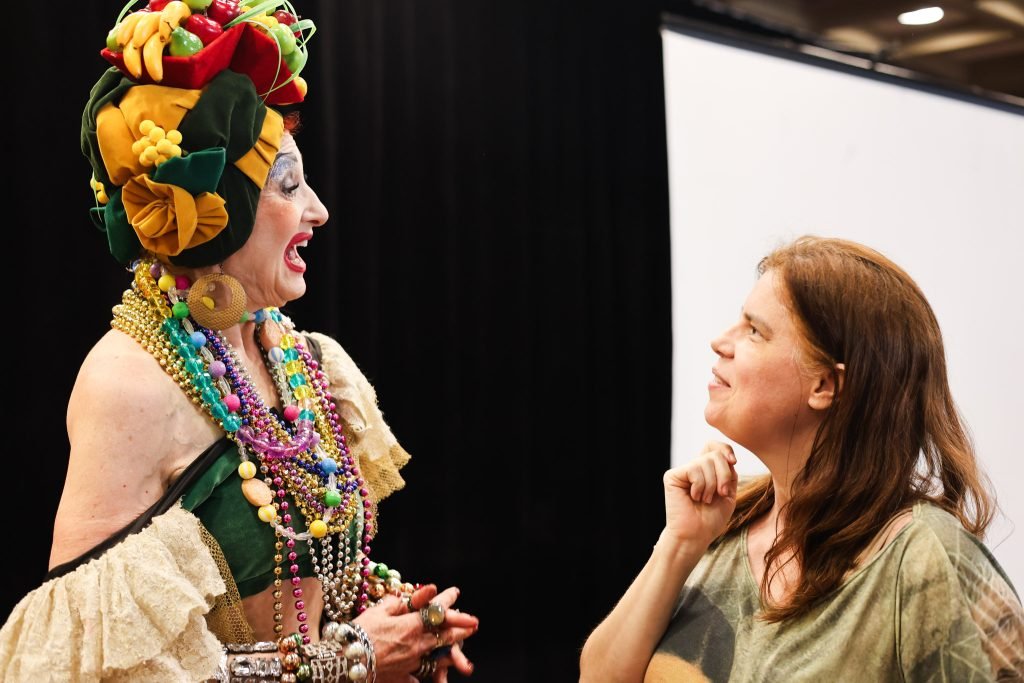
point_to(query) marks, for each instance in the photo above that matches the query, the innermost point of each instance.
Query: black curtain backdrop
(496, 262)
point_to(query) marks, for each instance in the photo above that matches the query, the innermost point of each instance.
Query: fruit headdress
(179, 133)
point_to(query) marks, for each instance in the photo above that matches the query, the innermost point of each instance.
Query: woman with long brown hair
(859, 556)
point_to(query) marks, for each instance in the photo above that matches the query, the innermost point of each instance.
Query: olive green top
(933, 605)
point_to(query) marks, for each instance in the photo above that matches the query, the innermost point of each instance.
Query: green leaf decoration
(195, 173)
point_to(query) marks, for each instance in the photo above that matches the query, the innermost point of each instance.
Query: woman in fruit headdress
(225, 468)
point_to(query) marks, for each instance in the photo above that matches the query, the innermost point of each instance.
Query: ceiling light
(919, 17)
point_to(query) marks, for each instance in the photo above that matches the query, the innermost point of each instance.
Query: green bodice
(247, 543)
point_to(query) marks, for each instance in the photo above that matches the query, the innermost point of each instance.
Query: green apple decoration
(285, 38)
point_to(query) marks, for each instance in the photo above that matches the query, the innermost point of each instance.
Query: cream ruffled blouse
(138, 612)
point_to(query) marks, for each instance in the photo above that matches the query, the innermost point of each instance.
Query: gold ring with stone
(432, 616)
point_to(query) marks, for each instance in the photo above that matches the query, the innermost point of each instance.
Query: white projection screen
(764, 147)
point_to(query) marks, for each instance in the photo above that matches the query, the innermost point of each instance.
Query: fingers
(454, 617)
(677, 478)
(431, 641)
(707, 471)
(719, 448)
(697, 482)
(725, 473)
(393, 605)
(711, 473)
(447, 597)
(420, 598)
(459, 660)
(457, 635)
(461, 619)
(454, 658)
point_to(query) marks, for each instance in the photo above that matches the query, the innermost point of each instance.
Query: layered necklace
(295, 459)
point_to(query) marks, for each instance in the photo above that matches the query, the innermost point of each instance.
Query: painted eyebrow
(282, 162)
(758, 323)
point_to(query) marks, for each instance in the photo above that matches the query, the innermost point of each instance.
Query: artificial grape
(295, 60)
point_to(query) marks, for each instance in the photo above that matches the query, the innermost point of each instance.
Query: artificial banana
(145, 27)
(126, 28)
(174, 13)
(132, 59)
(153, 56)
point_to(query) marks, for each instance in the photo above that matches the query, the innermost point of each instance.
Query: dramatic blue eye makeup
(284, 162)
(281, 173)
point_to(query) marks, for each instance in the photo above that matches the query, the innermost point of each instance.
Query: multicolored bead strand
(301, 455)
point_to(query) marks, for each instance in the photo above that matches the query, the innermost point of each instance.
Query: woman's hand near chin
(400, 641)
(700, 496)
(699, 499)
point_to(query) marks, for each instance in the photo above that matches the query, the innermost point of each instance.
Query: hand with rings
(419, 638)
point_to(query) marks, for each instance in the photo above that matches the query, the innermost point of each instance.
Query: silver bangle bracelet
(371, 657)
(350, 648)
(237, 667)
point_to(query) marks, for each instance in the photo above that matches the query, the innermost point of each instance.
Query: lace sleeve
(136, 613)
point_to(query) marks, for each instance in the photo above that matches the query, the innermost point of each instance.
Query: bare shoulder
(129, 425)
(118, 379)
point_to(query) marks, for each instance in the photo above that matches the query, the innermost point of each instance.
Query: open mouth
(716, 379)
(291, 254)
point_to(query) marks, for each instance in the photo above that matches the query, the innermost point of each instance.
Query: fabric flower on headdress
(175, 209)
(167, 219)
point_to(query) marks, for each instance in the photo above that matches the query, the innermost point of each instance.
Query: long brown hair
(892, 436)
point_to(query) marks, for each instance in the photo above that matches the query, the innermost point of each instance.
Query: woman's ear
(826, 386)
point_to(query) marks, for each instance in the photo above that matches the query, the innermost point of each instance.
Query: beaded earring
(217, 301)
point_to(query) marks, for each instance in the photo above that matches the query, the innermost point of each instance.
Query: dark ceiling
(978, 45)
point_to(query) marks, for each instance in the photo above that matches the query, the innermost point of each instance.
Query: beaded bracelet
(245, 668)
(354, 645)
(371, 656)
(345, 654)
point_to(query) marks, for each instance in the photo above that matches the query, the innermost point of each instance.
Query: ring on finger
(427, 668)
(432, 616)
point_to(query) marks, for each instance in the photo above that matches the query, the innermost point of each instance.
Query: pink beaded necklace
(301, 454)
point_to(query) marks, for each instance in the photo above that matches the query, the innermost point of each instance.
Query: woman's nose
(722, 345)
(316, 212)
